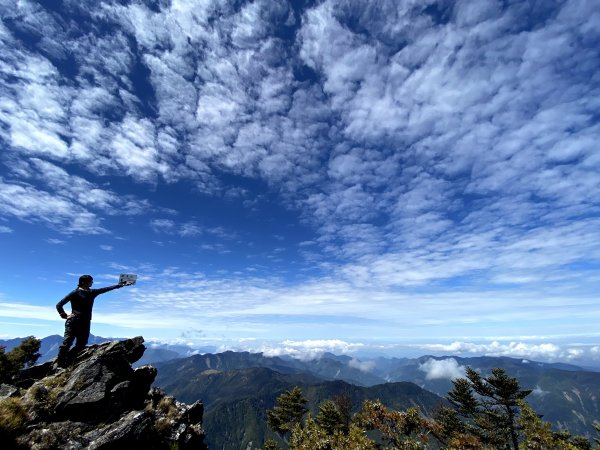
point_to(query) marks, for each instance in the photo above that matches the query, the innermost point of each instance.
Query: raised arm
(106, 289)
(109, 288)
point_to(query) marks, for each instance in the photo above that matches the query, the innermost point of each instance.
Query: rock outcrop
(98, 402)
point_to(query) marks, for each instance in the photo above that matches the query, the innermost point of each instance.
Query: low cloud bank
(442, 369)
(363, 366)
(536, 351)
(310, 349)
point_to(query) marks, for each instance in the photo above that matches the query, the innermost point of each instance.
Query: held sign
(127, 278)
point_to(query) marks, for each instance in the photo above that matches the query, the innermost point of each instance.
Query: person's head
(85, 281)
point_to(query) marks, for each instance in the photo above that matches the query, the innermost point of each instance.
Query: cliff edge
(98, 402)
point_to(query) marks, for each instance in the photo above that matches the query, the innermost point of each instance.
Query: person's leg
(82, 334)
(68, 339)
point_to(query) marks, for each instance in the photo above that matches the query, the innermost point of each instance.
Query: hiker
(78, 322)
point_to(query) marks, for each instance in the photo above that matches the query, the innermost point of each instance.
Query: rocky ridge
(98, 402)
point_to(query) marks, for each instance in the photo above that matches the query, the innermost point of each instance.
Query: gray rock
(130, 430)
(7, 390)
(195, 412)
(101, 402)
(26, 377)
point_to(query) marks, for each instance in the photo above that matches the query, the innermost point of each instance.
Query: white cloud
(164, 225)
(421, 108)
(5, 229)
(27, 203)
(66, 202)
(133, 147)
(539, 392)
(442, 369)
(312, 348)
(545, 351)
(83, 192)
(27, 311)
(466, 155)
(363, 366)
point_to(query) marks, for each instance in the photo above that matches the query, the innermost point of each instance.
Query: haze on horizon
(310, 176)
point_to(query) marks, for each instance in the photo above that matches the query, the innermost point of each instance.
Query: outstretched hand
(126, 283)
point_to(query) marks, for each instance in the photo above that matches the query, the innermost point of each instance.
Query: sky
(299, 177)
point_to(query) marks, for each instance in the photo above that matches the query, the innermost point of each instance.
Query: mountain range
(238, 387)
(236, 399)
(231, 383)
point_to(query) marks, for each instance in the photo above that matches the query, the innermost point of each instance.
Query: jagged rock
(128, 431)
(6, 391)
(100, 402)
(28, 376)
(195, 412)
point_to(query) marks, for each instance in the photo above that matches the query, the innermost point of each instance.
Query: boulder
(100, 402)
(7, 390)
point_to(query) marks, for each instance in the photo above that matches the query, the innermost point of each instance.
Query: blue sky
(306, 176)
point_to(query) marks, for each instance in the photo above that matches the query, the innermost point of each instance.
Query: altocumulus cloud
(423, 141)
(420, 169)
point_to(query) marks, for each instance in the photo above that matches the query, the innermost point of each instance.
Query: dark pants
(75, 329)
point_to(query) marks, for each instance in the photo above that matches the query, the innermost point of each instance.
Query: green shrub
(12, 416)
(163, 425)
(24, 355)
(167, 406)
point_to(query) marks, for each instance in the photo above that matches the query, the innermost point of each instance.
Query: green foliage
(538, 434)
(489, 407)
(343, 405)
(270, 444)
(312, 437)
(12, 417)
(480, 403)
(403, 430)
(163, 426)
(26, 354)
(288, 411)
(22, 356)
(329, 418)
(331, 430)
(168, 407)
(448, 421)
(39, 400)
(491, 413)
(309, 437)
(6, 372)
(580, 443)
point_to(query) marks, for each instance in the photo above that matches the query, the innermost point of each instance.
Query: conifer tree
(27, 353)
(490, 406)
(289, 410)
(312, 437)
(24, 355)
(270, 444)
(402, 430)
(329, 418)
(343, 405)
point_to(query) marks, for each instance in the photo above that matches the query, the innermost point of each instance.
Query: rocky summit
(98, 402)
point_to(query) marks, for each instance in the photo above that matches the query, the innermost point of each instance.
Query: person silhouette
(77, 325)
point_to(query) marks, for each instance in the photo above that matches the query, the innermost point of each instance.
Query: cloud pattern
(422, 141)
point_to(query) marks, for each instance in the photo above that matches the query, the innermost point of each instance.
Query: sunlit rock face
(97, 402)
